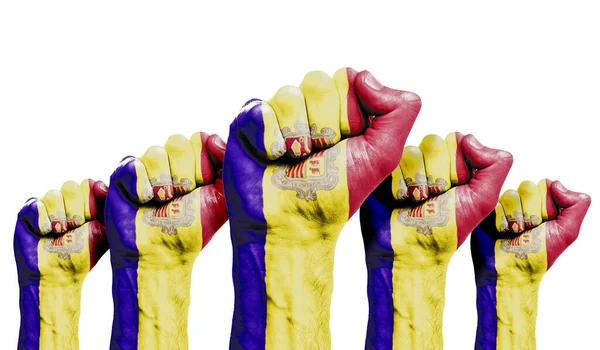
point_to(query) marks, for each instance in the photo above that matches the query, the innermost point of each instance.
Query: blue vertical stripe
(486, 276)
(375, 217)
(26, 256)
(248, 228)
(120, 228)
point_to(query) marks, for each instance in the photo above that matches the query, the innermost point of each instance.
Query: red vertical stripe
(208, 173)
(462, 170)
(97, 241)
(213, 210)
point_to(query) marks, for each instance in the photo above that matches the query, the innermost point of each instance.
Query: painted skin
(58, 240)
(286, 209)
(512, 249)
(162, 209)
(413, 223)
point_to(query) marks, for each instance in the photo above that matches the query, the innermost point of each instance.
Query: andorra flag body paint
(51, 271)
(285, 218)
(508, 272)
(154, 245)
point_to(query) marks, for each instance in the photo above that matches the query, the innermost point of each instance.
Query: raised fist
(413, 223)
(162, 209)
(296, 168)
(58, 240)
(512, 249)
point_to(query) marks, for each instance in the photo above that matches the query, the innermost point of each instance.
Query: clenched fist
(58, 240)
(512, 250)
(296, 168)
(413, 223)
(162, 209)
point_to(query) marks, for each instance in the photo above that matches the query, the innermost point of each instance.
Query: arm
(162, 210)
(509, 266)
(52, 269)
(413, 224)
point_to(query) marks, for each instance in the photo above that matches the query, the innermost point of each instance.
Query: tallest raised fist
(296, 168)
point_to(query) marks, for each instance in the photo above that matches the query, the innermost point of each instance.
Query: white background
(83, 85)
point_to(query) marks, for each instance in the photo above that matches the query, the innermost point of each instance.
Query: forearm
(282, 292)
(299, 285)
(507, 315)
(153, 312)
(418, 297)
(50, 315)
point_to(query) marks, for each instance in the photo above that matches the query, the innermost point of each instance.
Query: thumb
(491, 168)
(574, 207)
(378, 100)
(373, 155)
(395, 112)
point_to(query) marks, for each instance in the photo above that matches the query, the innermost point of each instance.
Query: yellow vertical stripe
(168, 240)
(299, 253)
(419, 272)
(452, 149)
(63, 267)
(340, 78)
(543, 195)
(196, 141)
(520, 263)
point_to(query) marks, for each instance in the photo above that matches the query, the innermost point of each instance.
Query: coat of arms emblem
(169, 217)
(525, 243)
(307, 177)
(433, 213)
(66, 244)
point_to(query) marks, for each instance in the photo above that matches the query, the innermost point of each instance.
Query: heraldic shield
(307, 177)
(433, 213)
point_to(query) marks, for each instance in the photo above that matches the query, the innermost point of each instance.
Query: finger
(501, 222)
(399, 189)
(99, 194)
(352, 122)
(549, 210)
(156, 162)
(216, 150)
(74, 202)
(531, 203)
(511, 203)
(437, 164)
(290, 109)
(483, 189)
(413, 168)
(35, 215)
(131, 177)
(204, 173)
(55, 207)
(259, 126)
(323, 108)
(459, 170)
(180, 153)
